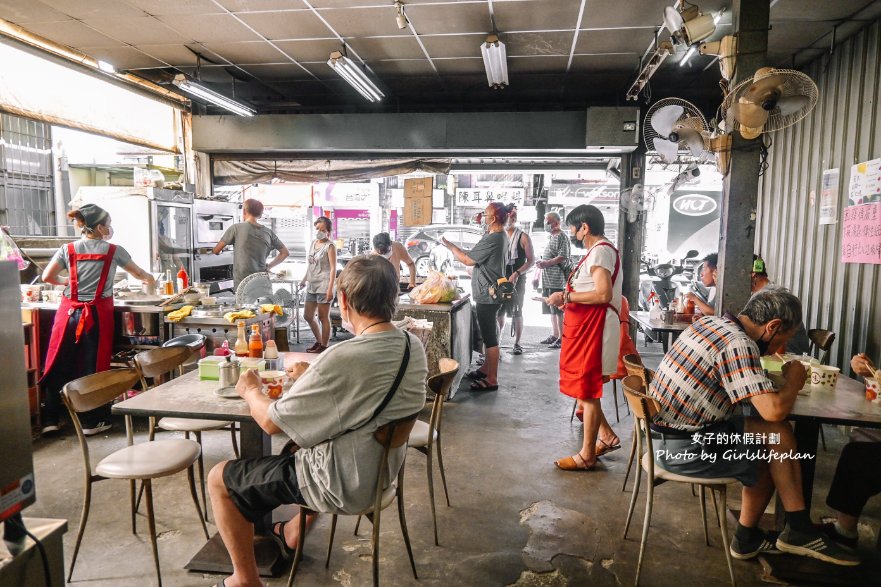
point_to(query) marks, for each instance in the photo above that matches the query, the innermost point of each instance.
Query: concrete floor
(515, 519)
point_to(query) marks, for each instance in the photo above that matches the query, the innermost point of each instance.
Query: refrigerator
(154, 225)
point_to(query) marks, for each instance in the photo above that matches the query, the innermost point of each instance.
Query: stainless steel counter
(120, 305)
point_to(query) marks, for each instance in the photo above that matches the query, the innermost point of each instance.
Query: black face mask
(576, 242)
(763, 344)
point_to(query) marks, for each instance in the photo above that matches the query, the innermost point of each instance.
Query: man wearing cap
(396, 254)
(799, 344)
(253, 243)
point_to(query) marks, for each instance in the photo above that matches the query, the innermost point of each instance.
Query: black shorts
(258, 486)
(486, 320)
(547, 309)
(513, 308)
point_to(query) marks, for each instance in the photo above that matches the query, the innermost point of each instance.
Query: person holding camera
(489, 258)
(591, 332)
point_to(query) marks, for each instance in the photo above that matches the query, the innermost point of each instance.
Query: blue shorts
(720, 451)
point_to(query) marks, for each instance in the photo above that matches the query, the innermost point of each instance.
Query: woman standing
(82, 334)
(320, 274)
(520, 260)
(489, 258)
(591, 332)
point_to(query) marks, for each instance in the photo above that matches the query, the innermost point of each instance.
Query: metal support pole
(741, 186)
(631, 236)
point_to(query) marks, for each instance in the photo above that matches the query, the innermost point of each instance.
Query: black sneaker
(829, 530)
(97, 428)
(556, 344)
(517, 350)
(763, 544)
(816, 545)
(50, 428)
(549, 340)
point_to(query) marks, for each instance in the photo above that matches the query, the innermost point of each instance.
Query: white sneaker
(98, 429)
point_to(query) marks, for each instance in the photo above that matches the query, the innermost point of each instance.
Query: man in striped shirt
(713, 366)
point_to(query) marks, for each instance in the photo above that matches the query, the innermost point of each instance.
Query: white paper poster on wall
(829, 197)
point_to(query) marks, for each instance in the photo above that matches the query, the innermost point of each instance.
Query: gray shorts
(318, 298)
(721, 452)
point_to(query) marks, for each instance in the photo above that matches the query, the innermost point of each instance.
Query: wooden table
(671, 331)
(191, 397)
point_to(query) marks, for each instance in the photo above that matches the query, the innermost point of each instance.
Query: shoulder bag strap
(391, 392)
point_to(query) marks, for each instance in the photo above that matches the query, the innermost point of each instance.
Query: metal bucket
(139, 323)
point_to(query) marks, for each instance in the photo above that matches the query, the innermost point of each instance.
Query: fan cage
(795, 83)
(690, 112)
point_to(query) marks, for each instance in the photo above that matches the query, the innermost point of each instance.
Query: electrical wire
(17, 521)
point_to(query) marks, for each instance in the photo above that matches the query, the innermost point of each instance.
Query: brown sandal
(607, 447)
(574, 463)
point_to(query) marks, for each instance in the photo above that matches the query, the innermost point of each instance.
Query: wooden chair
(425, 435)
(145, 461)
(157, 364)
(391, 436)
(634, 366)
(821, 340)
(644, 409)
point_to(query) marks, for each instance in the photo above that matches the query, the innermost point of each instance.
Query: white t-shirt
(582, 280)
(339, 392)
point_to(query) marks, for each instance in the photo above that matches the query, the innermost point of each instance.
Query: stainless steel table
(190, 397)
(666, 330)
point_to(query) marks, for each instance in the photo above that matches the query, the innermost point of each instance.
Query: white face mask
(109, 234)
(344, 319)
(320, 235)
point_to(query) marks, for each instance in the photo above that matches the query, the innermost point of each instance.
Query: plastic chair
(391, 435)
(145, 461)
(644, 409)
(156, 364)
(425, 435)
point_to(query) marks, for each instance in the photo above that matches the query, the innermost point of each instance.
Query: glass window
(27, 199)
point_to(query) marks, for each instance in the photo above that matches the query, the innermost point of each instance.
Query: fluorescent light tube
(106, 67)
(495, 61)
(691, 51)
(211, 96)
(355, 77)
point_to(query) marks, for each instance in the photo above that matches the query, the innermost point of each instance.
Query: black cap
(93, 215)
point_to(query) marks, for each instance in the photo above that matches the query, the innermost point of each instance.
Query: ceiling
(273, 53)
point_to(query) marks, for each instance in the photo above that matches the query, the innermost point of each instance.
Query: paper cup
(824, 377)
(873, 390)
(272, 383)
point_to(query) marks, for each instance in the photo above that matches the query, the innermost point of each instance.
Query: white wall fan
(672, 123)
(771, 100)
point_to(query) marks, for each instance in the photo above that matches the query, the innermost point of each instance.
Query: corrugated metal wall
(844, 129)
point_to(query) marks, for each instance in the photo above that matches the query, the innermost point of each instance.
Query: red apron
(627, 345)
(581, 356)
(103, 307)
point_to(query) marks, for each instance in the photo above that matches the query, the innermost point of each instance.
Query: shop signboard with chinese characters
(361, 196)
(829, 197)
(480, 197)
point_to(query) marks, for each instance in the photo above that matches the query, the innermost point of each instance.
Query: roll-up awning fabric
(313, 170)
(44, 89)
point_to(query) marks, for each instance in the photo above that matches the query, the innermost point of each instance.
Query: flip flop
(222, 583)
(482, 385)
(574, 463)
(286, 551)
(475, 375)
(607, 448)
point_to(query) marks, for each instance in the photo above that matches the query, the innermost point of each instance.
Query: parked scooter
(662, 282)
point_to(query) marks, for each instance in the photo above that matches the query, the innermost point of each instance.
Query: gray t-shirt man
(336, 469)
(89, 272)
(252, 244)
(491, 254)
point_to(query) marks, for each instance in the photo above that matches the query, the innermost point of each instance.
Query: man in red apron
(591, 334)
(82, 334)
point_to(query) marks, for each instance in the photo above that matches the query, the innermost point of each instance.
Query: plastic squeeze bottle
(241, 347)
(270, 355)
(183, 280)
(255, 343)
